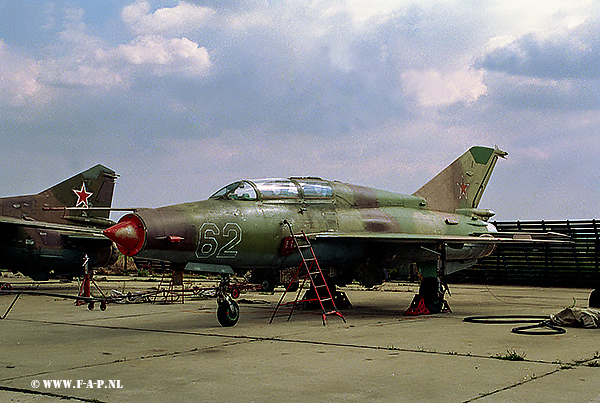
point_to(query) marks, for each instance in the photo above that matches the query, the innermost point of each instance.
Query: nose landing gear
(228, 311)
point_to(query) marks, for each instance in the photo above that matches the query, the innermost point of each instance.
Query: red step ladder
(310, 265)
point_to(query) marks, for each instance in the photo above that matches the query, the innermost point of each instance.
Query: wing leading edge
(475, 238)
(18, 222)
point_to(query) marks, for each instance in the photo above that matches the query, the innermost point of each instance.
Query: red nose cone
(129, 234)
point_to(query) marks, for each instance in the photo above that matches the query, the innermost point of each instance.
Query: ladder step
(311, 265)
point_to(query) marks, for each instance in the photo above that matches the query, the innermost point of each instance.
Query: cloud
(382, 93)
(79, 59)
(167, 56)
(21, 78)
(574, 55)
(433, 89)
(180, 19)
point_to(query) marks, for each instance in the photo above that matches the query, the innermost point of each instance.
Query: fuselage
(243, 228)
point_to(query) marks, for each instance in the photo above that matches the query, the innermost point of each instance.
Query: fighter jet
(49, 234)
(355, 231)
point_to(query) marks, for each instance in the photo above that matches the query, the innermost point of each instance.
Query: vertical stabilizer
(461, 184)
(91, 188)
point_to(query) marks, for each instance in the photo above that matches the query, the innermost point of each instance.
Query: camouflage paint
(349, 229)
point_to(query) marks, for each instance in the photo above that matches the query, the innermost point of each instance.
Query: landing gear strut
(430, 298)
(228, 311)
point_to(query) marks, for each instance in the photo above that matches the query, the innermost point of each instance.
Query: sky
(183, 97)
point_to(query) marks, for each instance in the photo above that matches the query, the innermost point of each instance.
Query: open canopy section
(276, 188)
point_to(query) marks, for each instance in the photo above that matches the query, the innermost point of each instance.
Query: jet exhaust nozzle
(129, 234)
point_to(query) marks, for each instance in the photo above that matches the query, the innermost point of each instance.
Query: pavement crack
(516, 384)
(120, 360)
(274, 339)
(49, 394)
(562, 367)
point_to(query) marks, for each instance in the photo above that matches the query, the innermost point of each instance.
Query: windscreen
(276, 188)
(242, 190)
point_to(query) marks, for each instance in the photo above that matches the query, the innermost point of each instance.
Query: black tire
(268, 285)
(594, 301)
(228, 313)
(5, 287)
(430, 290)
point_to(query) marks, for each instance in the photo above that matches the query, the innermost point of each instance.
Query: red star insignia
(82, 196)
(463, 189)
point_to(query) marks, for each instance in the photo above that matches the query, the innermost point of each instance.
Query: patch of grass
(142, 272)
(511, 355)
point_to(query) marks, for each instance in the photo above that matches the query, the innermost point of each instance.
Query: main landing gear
(228, 311)
(430, 298)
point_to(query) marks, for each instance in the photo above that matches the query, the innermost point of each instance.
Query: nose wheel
(228, 311)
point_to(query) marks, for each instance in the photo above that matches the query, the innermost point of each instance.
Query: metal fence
(566, 265)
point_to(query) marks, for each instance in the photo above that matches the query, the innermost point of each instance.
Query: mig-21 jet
(53, 233)
(355, 231)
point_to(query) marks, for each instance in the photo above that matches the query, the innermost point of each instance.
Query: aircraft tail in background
(91, 188)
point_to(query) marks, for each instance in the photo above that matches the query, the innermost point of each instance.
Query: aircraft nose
(129, 234)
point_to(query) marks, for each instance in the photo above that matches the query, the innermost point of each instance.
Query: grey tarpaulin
(586, 317)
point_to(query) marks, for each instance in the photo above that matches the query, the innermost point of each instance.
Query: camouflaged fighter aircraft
(355, 231)
(41, 237)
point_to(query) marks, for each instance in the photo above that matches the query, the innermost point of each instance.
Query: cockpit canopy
(278, 188)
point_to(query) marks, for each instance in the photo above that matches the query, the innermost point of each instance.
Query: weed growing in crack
(511, 355)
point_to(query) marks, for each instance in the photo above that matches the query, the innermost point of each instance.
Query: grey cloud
(514, 93)
(572, 56)
(283, 71)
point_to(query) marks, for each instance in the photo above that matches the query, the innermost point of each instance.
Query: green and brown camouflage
(356, 231)
(460, 186)
(42, 238)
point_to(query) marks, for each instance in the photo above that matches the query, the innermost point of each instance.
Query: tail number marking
(213, 241)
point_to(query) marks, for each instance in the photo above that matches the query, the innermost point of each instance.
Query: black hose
(542, 325)
(550, 328)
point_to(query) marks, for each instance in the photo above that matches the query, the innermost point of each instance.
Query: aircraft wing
(73, 231)
(480, 238)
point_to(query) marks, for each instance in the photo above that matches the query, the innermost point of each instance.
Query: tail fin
(91, 188)
(461, 184)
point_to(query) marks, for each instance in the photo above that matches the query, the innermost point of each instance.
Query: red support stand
(418, 307)
(85, 289)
